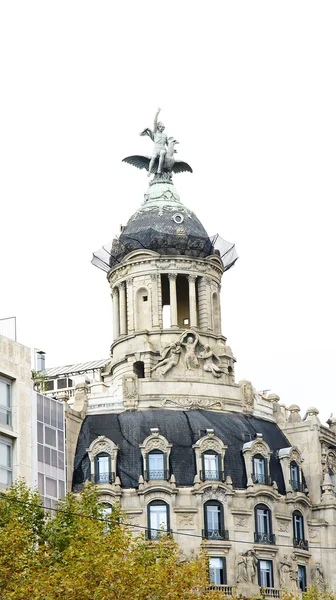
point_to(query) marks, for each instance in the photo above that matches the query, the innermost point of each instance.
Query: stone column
(115, 298)
(173, 299)
(122, 308)
(155, 303)
(192, 300)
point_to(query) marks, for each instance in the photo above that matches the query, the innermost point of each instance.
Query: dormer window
(210, 453)
(260, 470)
(156, 466)
(103, 473)
(211, 466)
(295, 477)
(155, 452)
(103, 457)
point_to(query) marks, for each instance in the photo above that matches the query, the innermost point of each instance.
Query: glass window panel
(155, 462)
(50, 436)
(47, 502)
(259, 466)
(302, 578)
(60, 436)
(61, 460)
(265, 568)
(40, 408)
(40, 433)
(54, 458)
(40, 483)
(263, 522)
(40, 457)
(158, 517)
(51, 487)
(47, 455)
(61, 489)
(216, 570)
(213, 517)
(53, 419)
(5, 455)
(5, 395)
(47, 410)
(210, 462)
(103, 463)
(60, 423)
(5, 477)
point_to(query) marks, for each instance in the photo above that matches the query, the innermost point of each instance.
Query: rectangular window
(217, 570)
(47, 410)
(263, 523)
(210, 462)
(5, 402)
(302, 578)
(265, 573)
(158, 519)
(51, 487)
(50, 436)
(53, 417)
(156, 465)
(60, 416)
(40, 433)
(6, 475)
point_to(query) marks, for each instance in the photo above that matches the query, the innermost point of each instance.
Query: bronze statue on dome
(162, 160)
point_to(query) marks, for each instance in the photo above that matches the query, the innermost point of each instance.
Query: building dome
(165, 225)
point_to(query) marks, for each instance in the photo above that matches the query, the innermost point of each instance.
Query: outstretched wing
(148, 132)
(180, 167)
(141, 162)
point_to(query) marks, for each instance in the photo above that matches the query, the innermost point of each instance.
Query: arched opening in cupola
(183, 308)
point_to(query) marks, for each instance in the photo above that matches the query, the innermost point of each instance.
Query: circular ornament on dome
(178, 218)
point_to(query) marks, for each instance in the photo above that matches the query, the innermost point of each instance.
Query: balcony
(159, 475)
(302, 544)
(226, 590)
(270, 593)
(215, 534)
(206, 475)
(264, 538)
(261, 478)
(155, 534)
(103, 478)
(297, 486)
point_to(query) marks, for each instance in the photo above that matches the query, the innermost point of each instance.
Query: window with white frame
(260, 470)
(103, 473)
(158, 519)
(210, 465)
(156, 465)
(217, 570)
(295, 476)
(263, 522)
(5, 402)
(302, 578)
(265, 573)
(6, 473)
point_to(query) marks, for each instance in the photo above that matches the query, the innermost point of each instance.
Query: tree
(80, 554)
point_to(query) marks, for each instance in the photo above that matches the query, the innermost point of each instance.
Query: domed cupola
(165, 274)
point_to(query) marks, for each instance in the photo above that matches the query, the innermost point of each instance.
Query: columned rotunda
(164, 427)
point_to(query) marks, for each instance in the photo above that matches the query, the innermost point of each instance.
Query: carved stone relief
(185, 519)
(194, 355)
(102, 444)
(240, 522)
(314, 533)
(247, 394)
(130, 392)
(215, 492)
(194, 403)
(283, 526)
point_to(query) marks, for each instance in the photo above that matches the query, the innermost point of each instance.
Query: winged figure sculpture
(163, 157)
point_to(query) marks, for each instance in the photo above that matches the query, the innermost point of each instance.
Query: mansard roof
(182, 429)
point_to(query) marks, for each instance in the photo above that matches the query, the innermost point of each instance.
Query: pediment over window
(102, 444)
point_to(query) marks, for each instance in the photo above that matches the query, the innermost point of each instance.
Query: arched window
(139, 369)
(143, 309)
(260, 474)
(107, 509)
(214, 521)
(103, 473)
(298, 531)
(263, 525)
(156, 466)
(210, 463)
(158, 519)
(295, 477)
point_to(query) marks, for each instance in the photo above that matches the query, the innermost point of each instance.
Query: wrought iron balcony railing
(155, 534)
(264, 538)
(297, 486)
(226, 590)
(262, 479)
(103, 478)
(298, 543)
(158, 475)
(270, 592)
(215, 534)
(206, 475)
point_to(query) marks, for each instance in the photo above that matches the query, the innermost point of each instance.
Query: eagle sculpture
(170, 165)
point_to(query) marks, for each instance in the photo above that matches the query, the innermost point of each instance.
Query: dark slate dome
(163, 224)
(182, 430)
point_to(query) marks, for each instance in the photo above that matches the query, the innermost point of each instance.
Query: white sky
(249, 90)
